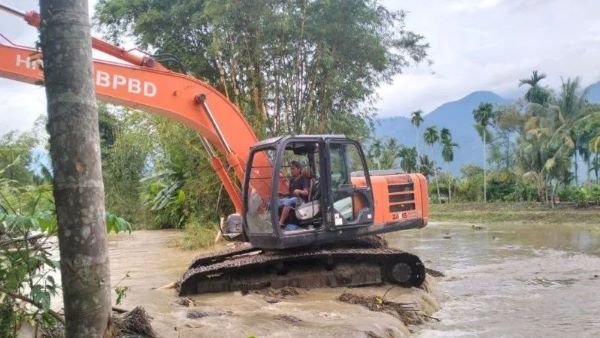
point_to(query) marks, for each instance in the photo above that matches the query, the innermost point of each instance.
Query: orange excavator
(328, 239)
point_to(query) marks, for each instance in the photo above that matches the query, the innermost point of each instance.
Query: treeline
(533, 150)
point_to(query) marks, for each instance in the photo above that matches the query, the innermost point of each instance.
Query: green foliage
(121, 291)
(116, 224)
(535, 93)
(26, 267)
(199, 234)
(15, 156)
(582, 196)
(383, 155)
(408, 161)
(28, 226)
(126, 148)
(279, 61)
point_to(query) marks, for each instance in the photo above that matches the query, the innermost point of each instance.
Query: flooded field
(512, 281)
(501, 280)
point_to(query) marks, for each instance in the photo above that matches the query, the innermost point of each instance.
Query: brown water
(503, 280)
(151, 260)
(512, 280)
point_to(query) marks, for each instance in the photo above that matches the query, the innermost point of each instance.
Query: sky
(475, 45)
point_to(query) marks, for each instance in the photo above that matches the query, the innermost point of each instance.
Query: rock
(288, 319)
(134, 323)
(196, 314)
(187, 302)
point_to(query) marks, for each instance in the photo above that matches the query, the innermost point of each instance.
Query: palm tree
(431, 137)
(75, 153)
(535, 93)
(445, 135)
(483, 115)
(408, 162)
(571, 105)
(426, 166)
(448, 155)
(544, 152)
(416, 119)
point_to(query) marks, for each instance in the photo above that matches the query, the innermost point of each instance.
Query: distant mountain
(457, 116)
(593, 94)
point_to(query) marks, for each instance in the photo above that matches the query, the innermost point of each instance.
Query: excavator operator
(298, 193)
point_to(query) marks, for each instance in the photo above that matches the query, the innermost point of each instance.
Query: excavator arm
(147, 85)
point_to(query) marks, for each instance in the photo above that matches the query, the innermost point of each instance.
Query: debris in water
(406, 312)
(172, 285)
(434, 273)
(388, 333)
(183, 301)
(273, 296)
(134, 323)
(196, 314)
(288, 319)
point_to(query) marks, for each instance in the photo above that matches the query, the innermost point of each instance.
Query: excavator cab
(333, 203)
(339, 206)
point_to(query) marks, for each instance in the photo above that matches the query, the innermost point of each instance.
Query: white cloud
(475, 45)
(489, 45)
(22, 104)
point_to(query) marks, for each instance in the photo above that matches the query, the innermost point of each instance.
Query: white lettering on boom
(131, 85)
(102, 79)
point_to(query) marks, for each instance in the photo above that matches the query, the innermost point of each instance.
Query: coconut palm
(483, 115)
(427, 166)
(545, 150)
(535, 93)
(431, 137)
(448, 155)
(445, 135)
(416, 119)
(571, 103)
(409, 159)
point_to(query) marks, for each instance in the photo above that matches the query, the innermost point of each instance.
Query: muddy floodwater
(512, 280)
(501, 280)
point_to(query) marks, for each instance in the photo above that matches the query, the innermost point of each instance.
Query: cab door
(350, 193)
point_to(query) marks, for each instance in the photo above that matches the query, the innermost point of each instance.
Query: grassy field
(513, 213)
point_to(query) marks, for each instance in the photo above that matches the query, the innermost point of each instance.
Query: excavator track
(243, 269)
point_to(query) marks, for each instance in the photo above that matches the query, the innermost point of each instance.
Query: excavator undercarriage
(361, 262)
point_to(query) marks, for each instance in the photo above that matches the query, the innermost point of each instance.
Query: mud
(153, 261)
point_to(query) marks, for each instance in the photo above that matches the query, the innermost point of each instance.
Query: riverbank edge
(514, 213)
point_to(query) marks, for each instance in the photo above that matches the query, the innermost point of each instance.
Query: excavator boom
(151, 87)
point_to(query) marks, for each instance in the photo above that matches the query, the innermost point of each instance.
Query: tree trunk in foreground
(75, 152)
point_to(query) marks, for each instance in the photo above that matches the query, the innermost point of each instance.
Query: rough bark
(75, 152)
